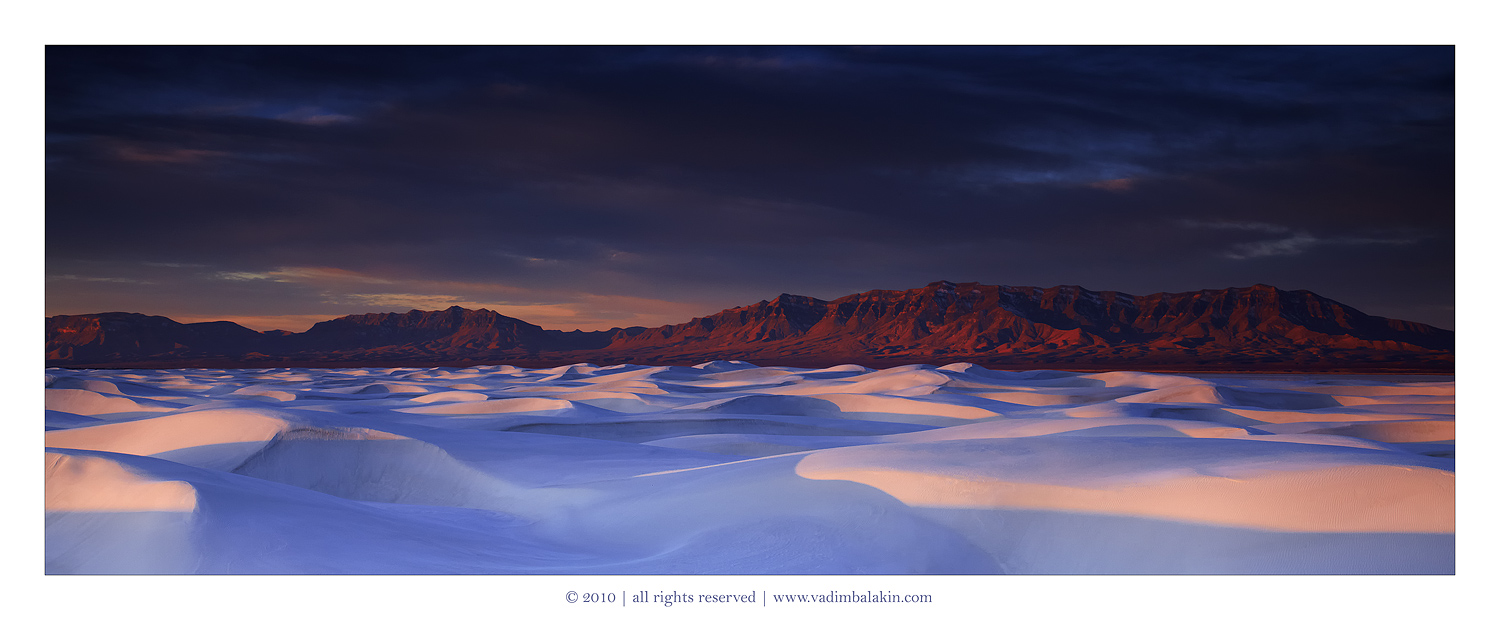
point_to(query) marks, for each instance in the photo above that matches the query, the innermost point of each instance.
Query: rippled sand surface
(728, 467)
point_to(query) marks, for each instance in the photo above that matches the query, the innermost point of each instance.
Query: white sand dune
(90, 402)
(81, 482)
(234, 434)
(442, 397)
(500, 405)
(1125, 476)
(727, 467)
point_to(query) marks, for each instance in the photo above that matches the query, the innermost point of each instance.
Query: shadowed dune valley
(734, 468)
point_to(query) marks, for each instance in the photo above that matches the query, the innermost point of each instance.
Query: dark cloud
(720, 176)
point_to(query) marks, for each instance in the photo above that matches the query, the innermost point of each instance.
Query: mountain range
(1065, 327)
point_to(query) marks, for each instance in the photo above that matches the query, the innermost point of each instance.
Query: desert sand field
(731, 468)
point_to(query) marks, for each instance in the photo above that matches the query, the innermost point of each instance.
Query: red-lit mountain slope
(1255, 328)
(1063, 325)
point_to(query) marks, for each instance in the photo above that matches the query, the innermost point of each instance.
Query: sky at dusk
(596, 187)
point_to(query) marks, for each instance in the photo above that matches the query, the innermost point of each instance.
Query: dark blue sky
(613, 186)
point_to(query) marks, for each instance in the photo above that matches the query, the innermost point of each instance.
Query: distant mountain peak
(787, 298)
(1255, 327)
(1059, 325)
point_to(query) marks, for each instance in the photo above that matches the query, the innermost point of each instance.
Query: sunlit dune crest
(82, 483)
(730, 467)
(1361, 498)
(162, 434)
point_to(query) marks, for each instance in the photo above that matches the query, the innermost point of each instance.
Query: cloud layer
(616, 186)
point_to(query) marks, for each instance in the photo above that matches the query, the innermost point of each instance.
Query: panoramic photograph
(750, 310)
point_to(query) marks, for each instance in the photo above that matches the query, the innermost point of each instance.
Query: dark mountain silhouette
(125, 336)
(455, 333)
(1259, 327)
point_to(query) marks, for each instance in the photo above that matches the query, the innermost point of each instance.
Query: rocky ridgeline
(1259, 327)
